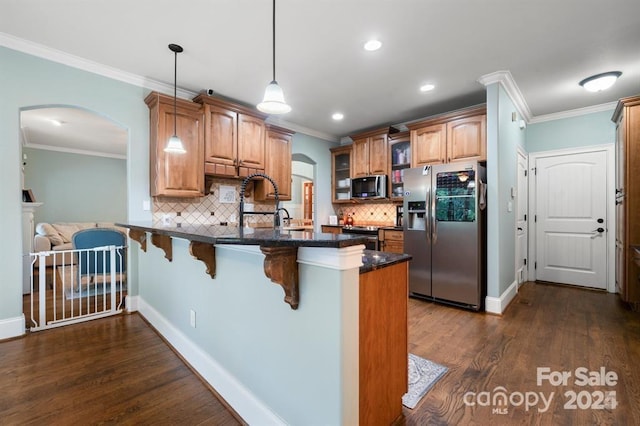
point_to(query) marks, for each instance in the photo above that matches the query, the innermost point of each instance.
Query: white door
(571, 218)
(521, 219)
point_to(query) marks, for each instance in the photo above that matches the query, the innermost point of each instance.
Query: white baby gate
(78, 285)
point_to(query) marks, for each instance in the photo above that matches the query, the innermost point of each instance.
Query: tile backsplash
(383, 214)
(213, 208)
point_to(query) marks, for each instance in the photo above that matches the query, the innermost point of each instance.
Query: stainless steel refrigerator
(445, 232)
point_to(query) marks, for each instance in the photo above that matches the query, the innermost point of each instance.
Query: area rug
(423, 374)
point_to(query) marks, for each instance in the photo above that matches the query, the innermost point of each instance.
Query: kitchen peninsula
(336, 354)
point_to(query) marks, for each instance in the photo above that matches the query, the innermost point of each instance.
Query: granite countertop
(219, 234)
(373, 260)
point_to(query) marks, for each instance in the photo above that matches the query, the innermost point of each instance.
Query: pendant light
(174, 144)
(273, 102)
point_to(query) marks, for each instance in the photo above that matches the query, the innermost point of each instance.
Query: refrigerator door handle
(434, 227)
(427, 221)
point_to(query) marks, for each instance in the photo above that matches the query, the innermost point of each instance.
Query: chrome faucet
(243, 187)
(287, 219)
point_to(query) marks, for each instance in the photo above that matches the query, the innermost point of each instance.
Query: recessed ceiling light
(372, 45)
(427, 87)
(337, 116)
(599, 82)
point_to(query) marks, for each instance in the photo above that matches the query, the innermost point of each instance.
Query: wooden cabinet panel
(331, 229)
(175, 175)
(277, 165)
(251, 141)
(466, 139)
(429, 145)
(391, 240)
(220, 136)
(378, 155)
(383, 355)
(627, 119)
(234, 138)
(370, 154)
(360, 157)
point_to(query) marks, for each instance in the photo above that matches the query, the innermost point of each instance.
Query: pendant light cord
(175, 93)
(274, 40)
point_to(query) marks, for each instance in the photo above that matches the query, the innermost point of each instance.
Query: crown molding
(75, 151)
(610, 106)
(509, 84)
(301, 129)
(54, 55)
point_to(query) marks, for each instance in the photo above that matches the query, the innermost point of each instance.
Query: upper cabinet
(456, 136)
(277, 165)
(175, 175)
(399, 159)
(234, 138)
(370, 153)
(341, 174)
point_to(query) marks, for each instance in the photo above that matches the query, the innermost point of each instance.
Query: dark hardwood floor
(119, 371)
(559, 327)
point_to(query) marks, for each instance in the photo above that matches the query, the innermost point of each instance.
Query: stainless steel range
(371, 232)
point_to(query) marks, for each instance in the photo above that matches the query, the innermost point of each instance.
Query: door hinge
(535, 218)
(525, 173)
(535, 171)
(525, 217)
(535, 265)
(525, 261)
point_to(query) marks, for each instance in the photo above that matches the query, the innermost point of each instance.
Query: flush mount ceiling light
(372, 45)
(599, 82)
(273, 101)
(174, 144)
(337, 116)
(55, 122)
(427, 87)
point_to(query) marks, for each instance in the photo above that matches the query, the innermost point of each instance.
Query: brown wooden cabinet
(399, 159)
(370, 153)
(234, 138)
(341, 161)
(331, 229)
(175, 175)
(391, 240)
(277, 164)
(383, 357)
(627, 119)
(456, 136)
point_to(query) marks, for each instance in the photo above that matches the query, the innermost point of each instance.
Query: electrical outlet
(192, 318)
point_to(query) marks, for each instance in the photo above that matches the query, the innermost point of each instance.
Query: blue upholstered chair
(92, 263)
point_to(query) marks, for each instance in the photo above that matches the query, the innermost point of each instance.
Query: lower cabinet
(391, 240)
(383, 354)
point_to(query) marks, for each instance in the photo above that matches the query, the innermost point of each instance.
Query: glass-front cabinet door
(400, 159)
(341, 158)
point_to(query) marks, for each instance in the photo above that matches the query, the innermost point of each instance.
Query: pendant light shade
(273, 101)
(174, 144)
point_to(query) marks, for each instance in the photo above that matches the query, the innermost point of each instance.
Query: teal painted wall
(28, 81)
(503, 139)
(318, 151)
(76, 188)
(585, 130)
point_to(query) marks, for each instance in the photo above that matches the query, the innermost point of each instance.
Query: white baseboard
(12, 327)
(132, 303)
(248, 406)
(497, 305)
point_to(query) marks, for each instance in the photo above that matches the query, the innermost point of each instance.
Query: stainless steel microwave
(369, 187)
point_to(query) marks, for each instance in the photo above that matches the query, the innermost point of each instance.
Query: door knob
(600, 220)
(600, 230)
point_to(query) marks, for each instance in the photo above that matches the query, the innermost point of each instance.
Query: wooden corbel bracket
(280, 264)
(163, 242)
(140, 237)
(206, 253)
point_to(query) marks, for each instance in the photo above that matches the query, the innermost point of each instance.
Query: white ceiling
(548, 46)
